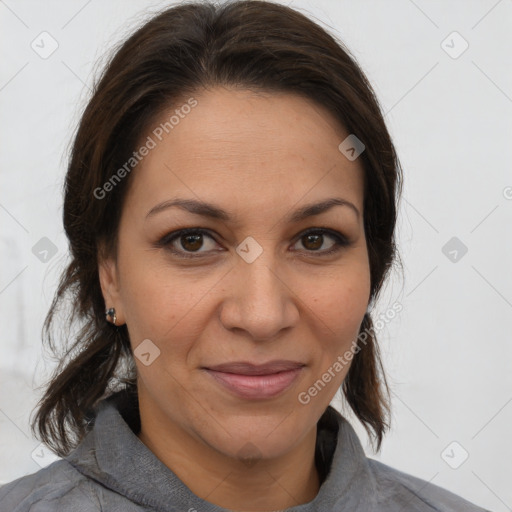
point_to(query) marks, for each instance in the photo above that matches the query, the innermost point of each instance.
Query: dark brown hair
(255, 45)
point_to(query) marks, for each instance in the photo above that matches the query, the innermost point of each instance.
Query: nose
(259, 298)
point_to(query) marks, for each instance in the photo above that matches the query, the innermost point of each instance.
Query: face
(255, 287)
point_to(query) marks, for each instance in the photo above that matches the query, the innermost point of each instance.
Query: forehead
(248, 149)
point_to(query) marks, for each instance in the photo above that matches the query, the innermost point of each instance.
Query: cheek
(338, 307)
(339, 300)
(169, 307)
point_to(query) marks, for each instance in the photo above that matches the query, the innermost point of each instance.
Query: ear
(110, 287)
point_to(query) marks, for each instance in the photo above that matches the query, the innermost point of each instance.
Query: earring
(111, 313)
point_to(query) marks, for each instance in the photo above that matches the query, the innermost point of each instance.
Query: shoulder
(50, 488)
(415, 494)
(59, 487)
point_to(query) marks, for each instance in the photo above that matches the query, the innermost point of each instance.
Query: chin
(256, 436)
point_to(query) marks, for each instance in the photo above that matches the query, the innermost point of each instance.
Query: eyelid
(341, 241)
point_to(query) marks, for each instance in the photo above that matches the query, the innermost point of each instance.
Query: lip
(247, 368)
(256, 382)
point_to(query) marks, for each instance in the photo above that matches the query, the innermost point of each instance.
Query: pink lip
(255, 382)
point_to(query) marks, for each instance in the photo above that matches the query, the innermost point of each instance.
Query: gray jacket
(111, 470)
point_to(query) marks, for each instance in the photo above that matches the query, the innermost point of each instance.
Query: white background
(448, 354)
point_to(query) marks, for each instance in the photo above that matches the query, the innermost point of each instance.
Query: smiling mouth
(256, 382)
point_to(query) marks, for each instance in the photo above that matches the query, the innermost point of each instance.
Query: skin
(260, 157)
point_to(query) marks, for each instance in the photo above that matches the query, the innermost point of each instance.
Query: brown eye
(191, 242)
(313, 241)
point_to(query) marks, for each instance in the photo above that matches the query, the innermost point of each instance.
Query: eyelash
(340, 241)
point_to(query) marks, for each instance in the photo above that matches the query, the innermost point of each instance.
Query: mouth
(256, 382)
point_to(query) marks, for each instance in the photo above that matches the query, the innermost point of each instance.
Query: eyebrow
(212, 211)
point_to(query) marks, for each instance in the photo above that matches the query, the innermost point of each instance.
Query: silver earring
(111, 313)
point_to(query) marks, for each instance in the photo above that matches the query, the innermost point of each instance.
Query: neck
(266, 485)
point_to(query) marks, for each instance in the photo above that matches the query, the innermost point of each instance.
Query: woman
(230, 204)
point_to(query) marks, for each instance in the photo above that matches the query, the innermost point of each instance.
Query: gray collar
(112, 454)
